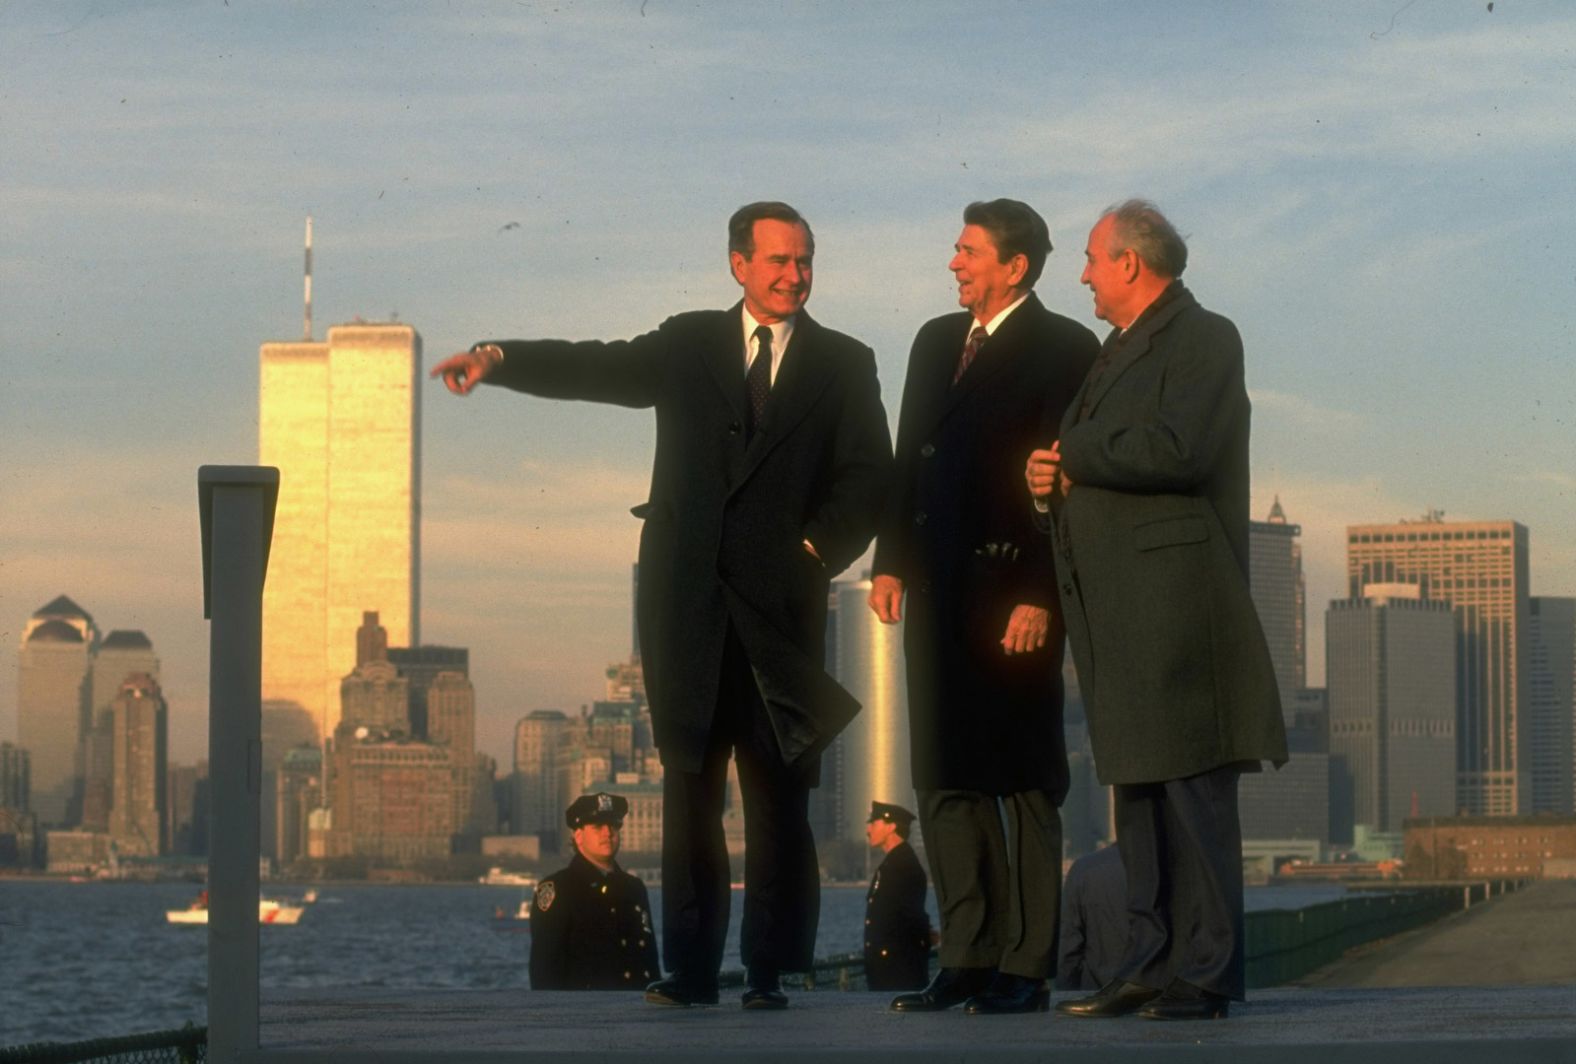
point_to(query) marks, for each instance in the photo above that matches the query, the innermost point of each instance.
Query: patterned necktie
(976, 341)
(758, 382)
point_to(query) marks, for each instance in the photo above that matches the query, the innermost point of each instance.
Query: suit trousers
(1181, 846)
(782, 880)
(999, 891)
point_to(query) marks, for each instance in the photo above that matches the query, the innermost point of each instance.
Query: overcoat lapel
(724, 356)
(1002, 349)
(801, 378)
(1135, 347)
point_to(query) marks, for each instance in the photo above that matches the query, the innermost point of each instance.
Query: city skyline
(1394, 243)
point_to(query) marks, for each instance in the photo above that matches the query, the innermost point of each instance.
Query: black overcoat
(726, 518)
(1152, 560)
(897, 927)
(959, 532)
(592, 930)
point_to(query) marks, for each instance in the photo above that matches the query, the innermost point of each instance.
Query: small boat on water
(497, 877)
(269, 911)
(517, 920)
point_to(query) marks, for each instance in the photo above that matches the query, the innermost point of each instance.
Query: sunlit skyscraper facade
(1481, 569)
(872, 753)
(341, 420)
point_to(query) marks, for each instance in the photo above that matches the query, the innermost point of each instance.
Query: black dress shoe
(764, 990)
(1116, 998)
(1184, 1001)
(951, 986)
(678, 992)
(1010, 993)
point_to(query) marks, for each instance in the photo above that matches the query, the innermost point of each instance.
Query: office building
(1551, 703)
(341, 421)
(1390, 671)
(53, 702)
(141, 743)
(1292, 802)
(534, 809)
(1275, 580)
(419, 666)
(1479, 848)
(872, 754)
(392, 797)
(122, 653)
(186, 809)
(15, 778)
(298, 789)
(1480, 569)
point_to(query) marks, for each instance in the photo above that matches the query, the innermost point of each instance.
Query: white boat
(497, 877)
(269, 911)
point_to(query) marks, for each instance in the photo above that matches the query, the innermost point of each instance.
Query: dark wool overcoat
(959, 532)
(1152, 562)
(728, 513)
(591, 930)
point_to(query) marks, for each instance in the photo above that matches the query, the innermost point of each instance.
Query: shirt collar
(995, 323)
(782, 331)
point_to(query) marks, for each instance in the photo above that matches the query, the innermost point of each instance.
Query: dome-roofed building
(58, 644)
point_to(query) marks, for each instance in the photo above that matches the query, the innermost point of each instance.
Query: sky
(1379, 194)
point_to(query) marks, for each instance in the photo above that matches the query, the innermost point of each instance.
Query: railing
(189, 1045)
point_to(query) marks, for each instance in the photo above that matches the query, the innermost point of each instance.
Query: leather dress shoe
(951, 986)
(764, 990)
(1184, 1001)
(1116, 998)
(678, 992)
(1010, 993)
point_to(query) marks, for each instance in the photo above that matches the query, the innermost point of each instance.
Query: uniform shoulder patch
(545, 893)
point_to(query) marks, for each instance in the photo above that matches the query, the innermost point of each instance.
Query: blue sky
(1379, 194)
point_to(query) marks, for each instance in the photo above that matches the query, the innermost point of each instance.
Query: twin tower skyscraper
(341, 419)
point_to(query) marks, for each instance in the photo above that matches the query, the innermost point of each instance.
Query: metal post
(237, 509)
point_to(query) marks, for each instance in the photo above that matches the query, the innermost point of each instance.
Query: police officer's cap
(598, 808)
(892, 814)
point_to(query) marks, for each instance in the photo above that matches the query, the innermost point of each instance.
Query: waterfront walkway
(1495, 983)
(1527, 938)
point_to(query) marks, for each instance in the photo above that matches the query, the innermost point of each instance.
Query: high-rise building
(1480, 568)
(341, 420)
(451, 724)
(186, 808)
(122, 653)
(1390, 671)
(374, 695)
(298, 790)
(141, 730)
(537, 740)
(1275, 580)
(872, 753)
(1551, 703)
(420, 666)
(53, 702)
(15, 778)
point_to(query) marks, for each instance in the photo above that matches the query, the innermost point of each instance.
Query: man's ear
(736, 263)
(1130, 265)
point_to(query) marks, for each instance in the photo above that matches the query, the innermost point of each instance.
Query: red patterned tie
(976, 341)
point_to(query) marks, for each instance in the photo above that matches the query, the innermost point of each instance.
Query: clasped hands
(1027, 628)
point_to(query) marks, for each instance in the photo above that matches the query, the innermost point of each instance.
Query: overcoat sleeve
(1170, 443)
(622, 372)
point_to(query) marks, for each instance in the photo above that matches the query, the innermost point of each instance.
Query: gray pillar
(237, 509)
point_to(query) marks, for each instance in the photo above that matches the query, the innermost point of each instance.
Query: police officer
(591, 922)
(897, 928)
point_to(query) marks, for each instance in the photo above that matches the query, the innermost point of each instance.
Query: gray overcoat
(1152, 554)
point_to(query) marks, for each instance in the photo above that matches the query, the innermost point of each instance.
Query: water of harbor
(92, 960)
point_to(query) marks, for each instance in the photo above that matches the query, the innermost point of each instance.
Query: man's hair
(1016, 229)
(741, 227)
(1139, 225)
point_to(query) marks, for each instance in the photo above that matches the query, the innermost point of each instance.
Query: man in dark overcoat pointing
(772, 456)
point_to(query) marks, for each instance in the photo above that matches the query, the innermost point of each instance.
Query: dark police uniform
(897, 927)
(591, 930)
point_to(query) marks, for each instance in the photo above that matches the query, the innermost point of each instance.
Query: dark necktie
(758, 382)
(976, 341)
